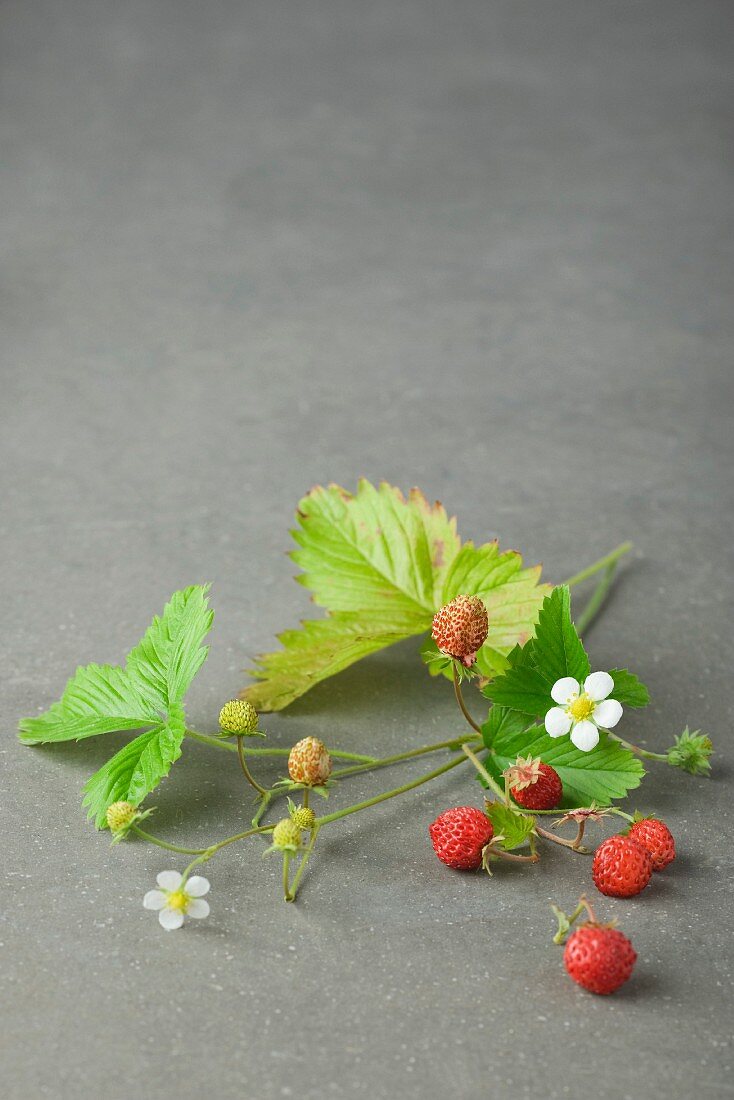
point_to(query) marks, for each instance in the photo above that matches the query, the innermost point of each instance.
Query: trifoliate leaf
(135, 770)
(512, 828)
(382, 566)
(607, 772)
(503, 723)
(97, 699)
(170, 653)
(105, 698)
(628, 690)
(556, 649)
(321, 648)
(146, 693)
(521, 689)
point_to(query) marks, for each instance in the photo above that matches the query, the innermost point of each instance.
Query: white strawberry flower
(177, 899)
(583, 713)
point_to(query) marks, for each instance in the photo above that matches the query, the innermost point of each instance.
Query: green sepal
(564, 925)
(290, 785)
(691, 752)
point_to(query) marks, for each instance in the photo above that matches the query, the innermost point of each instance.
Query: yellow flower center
(581, 708)
(178, 900)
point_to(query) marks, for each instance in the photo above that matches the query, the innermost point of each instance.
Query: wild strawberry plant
(385, 568)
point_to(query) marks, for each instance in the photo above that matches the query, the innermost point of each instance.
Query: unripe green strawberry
(287, 835)
(309, 762)
(460, 628)
(303, 817)
(238, 716)
(120, 815)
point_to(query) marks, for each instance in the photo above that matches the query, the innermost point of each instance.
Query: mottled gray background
(483, 247)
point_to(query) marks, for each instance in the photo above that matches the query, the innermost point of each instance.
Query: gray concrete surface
(483, 247)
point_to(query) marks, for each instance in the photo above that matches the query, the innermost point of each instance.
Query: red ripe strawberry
(621, 867)
(657, 838)
(599, 957)
(534, 785)
(459, 835)
(460, 628)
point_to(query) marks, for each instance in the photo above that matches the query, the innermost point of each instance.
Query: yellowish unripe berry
(287, 836)
(303, 817)
(120, 815)
(309, 762)
(238, 716)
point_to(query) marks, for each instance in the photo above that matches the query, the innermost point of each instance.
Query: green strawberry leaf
(146, 694)
(382, 565)
(97, 699)
(512, 827)
(503, 723)
(321, 648)
(106, 698)
(170, 652)
(628, 690)
(134, 771)
(556, 649)
(607, 772)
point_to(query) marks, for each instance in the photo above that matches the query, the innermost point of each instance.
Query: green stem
(488, 779)
(265, 801)
(460, 701)
(207, 853)
(620, 813)
(563, 931)
(597, 566)
(286, 867)
(222, 743)
(594, 605)
(246, 771)
(390, 794)
(291, 895)
(386, 761)
(164, 843)
(638, 751)
(574, 844)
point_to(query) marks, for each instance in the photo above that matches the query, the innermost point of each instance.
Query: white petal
(607, 713)
(585, 736)
(171, 918)
(169, 880)
(598, 685)
(154, 899)
(198, 908)
(197, 886)
(564, 689)
(557, 722)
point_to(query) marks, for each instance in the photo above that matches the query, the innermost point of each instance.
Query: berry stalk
(386, 761)
(320, 821)
(460, 700)
(246, 771)
(293, 890)
(596, 567)
(219, 743)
